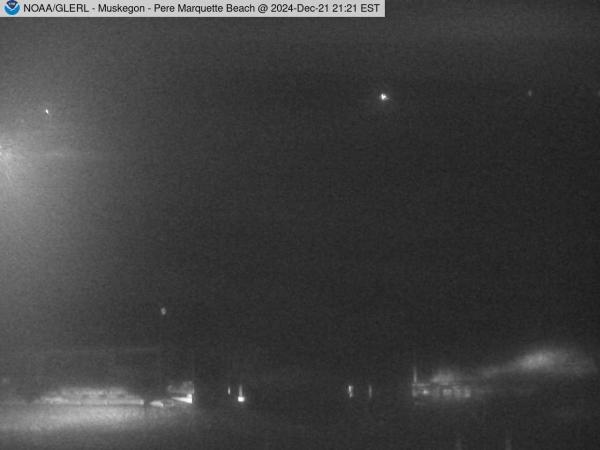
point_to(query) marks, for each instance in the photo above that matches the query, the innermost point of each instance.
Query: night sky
(246, 175)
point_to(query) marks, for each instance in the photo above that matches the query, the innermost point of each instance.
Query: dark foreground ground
(34, 426)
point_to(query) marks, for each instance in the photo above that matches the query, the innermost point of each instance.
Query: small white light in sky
(47, 111)
(383, 97)
(530, 93)
(163, 311)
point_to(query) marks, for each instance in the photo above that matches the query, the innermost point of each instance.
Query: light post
(161, 349)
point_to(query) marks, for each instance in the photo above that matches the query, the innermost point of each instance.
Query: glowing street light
(161, 349)
(241, 397)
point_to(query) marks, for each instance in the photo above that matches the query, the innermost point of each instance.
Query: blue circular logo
(12, 7)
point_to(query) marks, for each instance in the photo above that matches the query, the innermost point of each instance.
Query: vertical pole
(415, 374)
(161, 350)
(415, 379)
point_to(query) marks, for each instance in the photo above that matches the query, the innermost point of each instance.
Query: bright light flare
(549, 361)
(384, 97)
(556, 362)
(187, 399)
(539, 361)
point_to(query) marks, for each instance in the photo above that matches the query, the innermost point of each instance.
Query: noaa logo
(12, 7)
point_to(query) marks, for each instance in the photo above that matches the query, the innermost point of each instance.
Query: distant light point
(47, 111)
(383, 97)
(350, 390)
(530, 93)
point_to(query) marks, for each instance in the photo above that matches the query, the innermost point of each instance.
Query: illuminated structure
(450, 391)
(543, 370)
